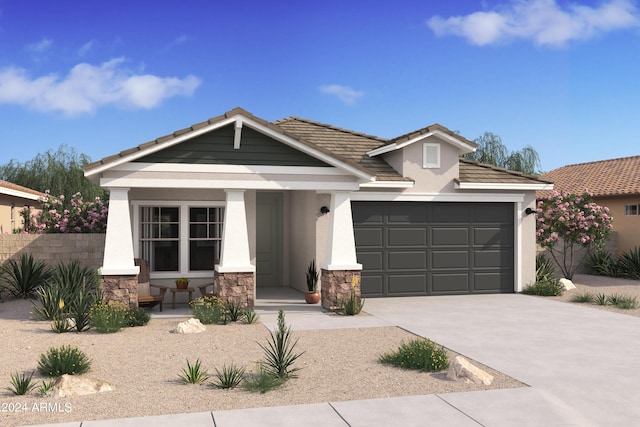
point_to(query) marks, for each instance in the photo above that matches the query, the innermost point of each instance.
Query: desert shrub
(545, 269)
(138, 317)
(22, 278)
(45, 387)
(262, 381)
(420, 354)
(279, 354)
(62, 324)
(58, 361)
(233, 310)
(352, 305)
(624, 302)
(229, 377)
(602, 263)
(601, 299)
(109, 317)
(208, 310)
(629, 264)
(583, 298)
(193, 374)
(21, 384)
(250, 316)
(546, 288)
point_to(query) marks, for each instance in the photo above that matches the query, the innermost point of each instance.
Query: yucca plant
(230, 376)
(279, 355)
(49, 303)
(233, 310)
(21, 383)
(545, 269)
(629, 263)
(351, 306)
(45, 387)
(193, 374)
(22, 278)
(250, 316)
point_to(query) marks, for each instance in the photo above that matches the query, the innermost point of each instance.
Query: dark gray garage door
(420, 248)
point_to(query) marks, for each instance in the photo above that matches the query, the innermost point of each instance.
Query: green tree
(492, 151)
(60, 172)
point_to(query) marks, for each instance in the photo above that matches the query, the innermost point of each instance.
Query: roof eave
(461, 145)
(502, 186)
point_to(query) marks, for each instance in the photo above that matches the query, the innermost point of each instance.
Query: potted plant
(312, 296)
(182, 283)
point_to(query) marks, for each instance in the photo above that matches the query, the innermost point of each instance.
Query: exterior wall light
(529, 211)
(324, 210)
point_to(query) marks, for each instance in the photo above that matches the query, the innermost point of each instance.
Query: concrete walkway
(582, 366)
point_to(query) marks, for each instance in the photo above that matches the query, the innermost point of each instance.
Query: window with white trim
(160, 237)
(430, 155)
(205, 237)
(631, 210)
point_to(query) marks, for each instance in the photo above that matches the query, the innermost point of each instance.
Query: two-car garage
(434, 248)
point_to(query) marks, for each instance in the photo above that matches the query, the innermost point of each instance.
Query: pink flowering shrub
(54, 217)
(566, 220)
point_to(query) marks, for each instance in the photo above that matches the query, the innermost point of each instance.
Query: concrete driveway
(582, 364)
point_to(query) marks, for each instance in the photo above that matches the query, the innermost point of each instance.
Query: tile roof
(472, 171)
(605, 178)
(416, 133)
(15, 187)
(345, 143)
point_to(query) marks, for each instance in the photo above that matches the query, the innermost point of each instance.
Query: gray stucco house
(251, 203)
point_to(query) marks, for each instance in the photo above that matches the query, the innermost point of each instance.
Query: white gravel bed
(143, 364)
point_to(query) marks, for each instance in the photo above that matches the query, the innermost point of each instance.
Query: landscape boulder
(73, 385)
(567, 284)
(191, 326)
(461, 369)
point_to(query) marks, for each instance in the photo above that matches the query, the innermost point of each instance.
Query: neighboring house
(252, 202)
(613, 183)
(13, 198)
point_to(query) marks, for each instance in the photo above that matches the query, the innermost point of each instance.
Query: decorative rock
(567, 284)
(72, 385)
(461, 368)
(191, 326)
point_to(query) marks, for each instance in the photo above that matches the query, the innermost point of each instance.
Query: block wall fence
(88, 249)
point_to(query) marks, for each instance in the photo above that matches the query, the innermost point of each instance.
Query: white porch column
(118, 246)
(341, 245)
(235, 256)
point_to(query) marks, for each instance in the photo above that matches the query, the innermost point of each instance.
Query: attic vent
(430, 155)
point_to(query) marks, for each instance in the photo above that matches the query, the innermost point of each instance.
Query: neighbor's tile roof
(344, 143)
(11, 186)
(471, 171)
(605, 178)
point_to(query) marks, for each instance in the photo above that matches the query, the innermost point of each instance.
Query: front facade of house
(13, 198)
(613, 183)
(251, 203)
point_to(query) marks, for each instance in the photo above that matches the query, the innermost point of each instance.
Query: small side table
(175, 290)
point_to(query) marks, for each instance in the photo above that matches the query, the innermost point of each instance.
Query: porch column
(119, 272)
(341, 274)
(234, 276)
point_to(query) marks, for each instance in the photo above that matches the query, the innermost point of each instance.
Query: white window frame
(629, 207)
(183, 247)
(426, 147)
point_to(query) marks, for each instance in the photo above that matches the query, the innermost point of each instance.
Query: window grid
(632, 210)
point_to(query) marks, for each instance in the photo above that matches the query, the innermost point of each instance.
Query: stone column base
(123, 289)
(234, 286)
(337, 285)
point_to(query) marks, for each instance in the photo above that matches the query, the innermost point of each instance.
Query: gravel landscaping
(143, 364)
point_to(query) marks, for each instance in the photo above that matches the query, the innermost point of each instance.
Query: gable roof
(460, 142)
(472, 172)
(11, 189)
(605, 178)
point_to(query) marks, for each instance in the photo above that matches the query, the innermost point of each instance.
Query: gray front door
(268, 239)
(430, 248)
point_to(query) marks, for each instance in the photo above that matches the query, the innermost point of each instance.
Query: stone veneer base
(123, 289)
(337, 285)
(235, 286)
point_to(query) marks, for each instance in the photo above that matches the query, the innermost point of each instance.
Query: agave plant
(630, 263)
(22, 278)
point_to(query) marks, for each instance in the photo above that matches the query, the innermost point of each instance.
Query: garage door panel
(442, 260)
(492, 282)
(448, 283)
(492, 258)
(372, 285)
(450, 236)
(369, 237)
(407, 284)
(493, 213)
(407, 213)
(450, 213)
(492, 236)
(406, 260)
(371, 261)
(403, 237)
(368, 213)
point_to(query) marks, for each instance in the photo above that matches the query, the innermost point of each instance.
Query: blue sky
(563, 77)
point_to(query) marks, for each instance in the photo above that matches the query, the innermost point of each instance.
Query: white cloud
(39, 46)
(345, 94)
(542, 21)
(85, 48)
(88, 87)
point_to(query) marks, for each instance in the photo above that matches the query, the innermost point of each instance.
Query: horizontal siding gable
(216, 147)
